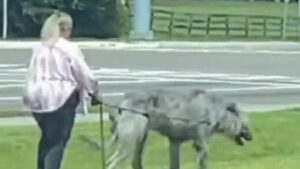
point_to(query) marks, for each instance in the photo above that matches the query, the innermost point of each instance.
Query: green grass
(276, 145)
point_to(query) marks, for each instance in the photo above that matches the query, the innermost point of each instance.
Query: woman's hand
(96, 99)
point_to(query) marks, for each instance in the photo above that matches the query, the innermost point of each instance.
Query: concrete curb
(158, 44)
(82, 44)
(228, 43)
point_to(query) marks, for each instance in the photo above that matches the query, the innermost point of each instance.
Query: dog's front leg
(202, 150)
(174, 155)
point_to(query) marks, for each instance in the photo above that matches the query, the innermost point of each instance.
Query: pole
(299, 19)
(142, 10)
(286, 3)
(4, 28)
(102, 135)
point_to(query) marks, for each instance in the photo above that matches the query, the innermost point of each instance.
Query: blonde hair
(54, 24)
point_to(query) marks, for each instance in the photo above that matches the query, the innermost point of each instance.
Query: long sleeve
(30, 75)
(83, 74)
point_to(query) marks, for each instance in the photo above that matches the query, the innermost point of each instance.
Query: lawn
(276, 145)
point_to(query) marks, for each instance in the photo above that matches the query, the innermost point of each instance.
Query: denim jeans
(56, 128)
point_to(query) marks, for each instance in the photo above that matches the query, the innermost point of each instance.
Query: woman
(57, 78)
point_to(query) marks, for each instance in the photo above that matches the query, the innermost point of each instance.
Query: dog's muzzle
(242, 137)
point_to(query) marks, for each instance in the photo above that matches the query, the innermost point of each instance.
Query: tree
(92, 18)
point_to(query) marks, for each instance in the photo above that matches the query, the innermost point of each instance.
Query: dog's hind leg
(112, 157)
(112, 142)
(137, 162)
(116, 159)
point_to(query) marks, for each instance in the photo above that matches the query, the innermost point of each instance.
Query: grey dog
(194, 116)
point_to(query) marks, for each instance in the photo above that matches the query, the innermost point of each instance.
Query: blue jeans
(56, 128)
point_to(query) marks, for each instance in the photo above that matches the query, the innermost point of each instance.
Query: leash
(146, 114)
(101, 126)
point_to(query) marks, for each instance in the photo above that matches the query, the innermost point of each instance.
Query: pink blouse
(54, 73)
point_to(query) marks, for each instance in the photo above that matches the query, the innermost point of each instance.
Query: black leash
(95, 102)
(102, 135)
(146, 114)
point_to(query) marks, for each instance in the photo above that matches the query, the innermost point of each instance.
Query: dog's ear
(154, 99)
(232, 107)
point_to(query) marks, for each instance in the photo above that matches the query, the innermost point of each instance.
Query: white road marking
(8, 98)
(11, 81)
(10, 65)
(146, 76)
(166, 80)
(11, 86)
(254, 83)
(19, 70)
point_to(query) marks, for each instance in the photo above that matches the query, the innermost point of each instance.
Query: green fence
(195, 24)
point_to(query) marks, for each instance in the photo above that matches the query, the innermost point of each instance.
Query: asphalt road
(259, 78)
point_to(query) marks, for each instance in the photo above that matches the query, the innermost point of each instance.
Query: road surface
(256, 77)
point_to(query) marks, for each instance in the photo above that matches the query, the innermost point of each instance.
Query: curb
(156, 44)
(82, 44)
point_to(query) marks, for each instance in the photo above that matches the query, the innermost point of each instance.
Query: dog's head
(243, 136)
(237, 121)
